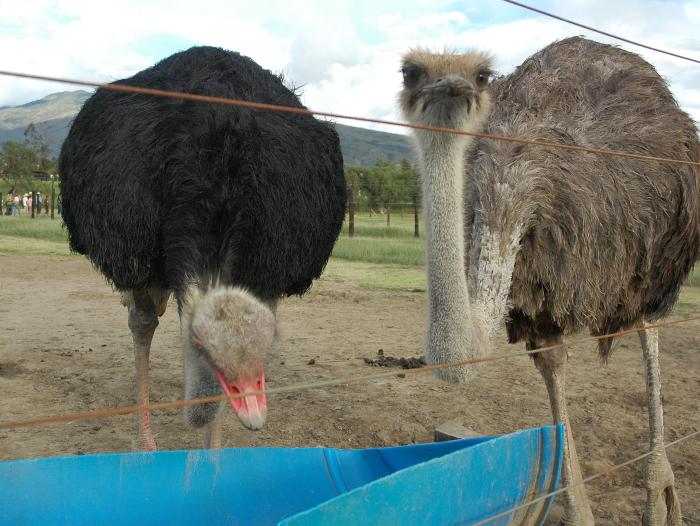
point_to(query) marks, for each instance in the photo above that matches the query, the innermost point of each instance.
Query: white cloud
(100, 41)
(317, 46)
(395, 25)
(346, 55)
(691, 10)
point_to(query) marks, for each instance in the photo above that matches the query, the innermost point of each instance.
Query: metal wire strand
(273, 107)
(323, 383)
(589, 28)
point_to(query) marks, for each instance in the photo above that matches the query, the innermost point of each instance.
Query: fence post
(351, 210)
(52, 195)
(416, 232)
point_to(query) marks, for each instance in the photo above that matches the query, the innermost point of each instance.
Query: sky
(344, 55)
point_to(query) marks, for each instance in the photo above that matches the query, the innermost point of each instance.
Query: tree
(384, 186)
(351, 176)
(35, 140)
(17, 162)
(411, 177)
(391, 185)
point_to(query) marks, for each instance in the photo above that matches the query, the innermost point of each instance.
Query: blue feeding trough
(455, 482)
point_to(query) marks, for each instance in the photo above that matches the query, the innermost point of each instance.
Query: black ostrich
(229, 208)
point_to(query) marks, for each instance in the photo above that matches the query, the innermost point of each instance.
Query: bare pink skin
(150, 443)
(251, 409)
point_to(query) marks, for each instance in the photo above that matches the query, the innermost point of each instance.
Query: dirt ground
(65, 347)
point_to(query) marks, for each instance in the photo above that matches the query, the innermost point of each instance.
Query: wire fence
(329, 383)
(599, 31)
(384, 375)
(125, 88)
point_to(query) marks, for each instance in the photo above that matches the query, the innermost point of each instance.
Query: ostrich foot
(144, 439)
(662, 507)
(145, 443)
(150, 444)
(147, 439)
(566, 514)
(576, 511)
(575, 517)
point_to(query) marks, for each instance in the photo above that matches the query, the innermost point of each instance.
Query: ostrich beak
(452, 86)
(446, 90)
(251, 409)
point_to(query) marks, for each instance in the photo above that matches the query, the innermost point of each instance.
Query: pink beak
(251, 409)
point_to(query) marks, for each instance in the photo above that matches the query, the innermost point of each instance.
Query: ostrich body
(228, 208)
(555, 241)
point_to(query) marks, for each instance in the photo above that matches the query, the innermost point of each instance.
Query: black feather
(158, 191)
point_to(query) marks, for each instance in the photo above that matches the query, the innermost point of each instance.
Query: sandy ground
(65, 347)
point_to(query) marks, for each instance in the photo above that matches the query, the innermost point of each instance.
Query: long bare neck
(442, 158)
(452, 335)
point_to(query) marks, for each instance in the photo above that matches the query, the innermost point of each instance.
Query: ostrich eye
(482, 78)
(411, 76)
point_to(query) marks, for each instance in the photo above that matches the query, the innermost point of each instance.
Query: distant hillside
(53, 115)
(363, 146)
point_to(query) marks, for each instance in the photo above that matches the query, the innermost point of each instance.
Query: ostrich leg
(662, 506)
(144, 309)
(552, 367)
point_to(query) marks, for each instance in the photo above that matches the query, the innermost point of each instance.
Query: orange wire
(324, 383)
(274, 107)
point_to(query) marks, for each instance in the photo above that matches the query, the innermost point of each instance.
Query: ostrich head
(445, 89)
(231, 330)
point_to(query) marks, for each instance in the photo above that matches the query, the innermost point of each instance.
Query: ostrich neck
(443, 188)
(461, 328)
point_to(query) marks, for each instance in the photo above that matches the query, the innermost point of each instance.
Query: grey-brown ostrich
(229, 208)
(554, 241)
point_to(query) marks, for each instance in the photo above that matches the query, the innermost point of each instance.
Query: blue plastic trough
(456, 482)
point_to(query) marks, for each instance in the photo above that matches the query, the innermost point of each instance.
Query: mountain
(363, 146)
(53, 115)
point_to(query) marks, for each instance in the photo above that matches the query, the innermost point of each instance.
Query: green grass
(374, 242)
(28, 246)
(688, 303)
(42, 227)
(401, 226)
(385, 251)
(33, 237)
(694, 278)
(377, 257)
(375, 276)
